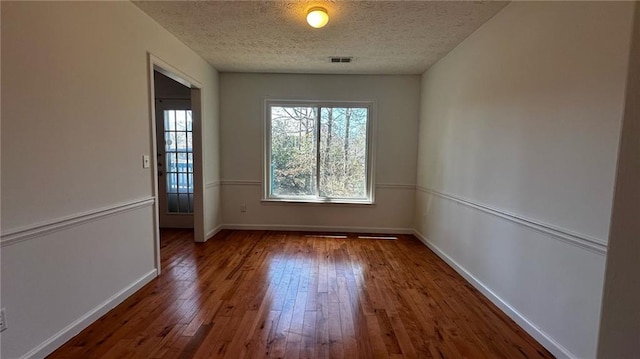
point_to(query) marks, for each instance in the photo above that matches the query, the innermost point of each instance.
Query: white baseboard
(345, 229)
(213, 232)
(543, 338)
(84, 321)
(71, 330)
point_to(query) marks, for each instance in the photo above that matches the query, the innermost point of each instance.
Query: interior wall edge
(620, 311)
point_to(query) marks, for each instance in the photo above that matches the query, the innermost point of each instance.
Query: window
(318, 152)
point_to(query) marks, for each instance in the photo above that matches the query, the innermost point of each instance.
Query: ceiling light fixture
(317, 17)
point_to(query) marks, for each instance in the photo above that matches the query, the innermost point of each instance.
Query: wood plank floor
(260, 294)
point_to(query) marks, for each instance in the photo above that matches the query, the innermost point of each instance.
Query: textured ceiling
(383, 37)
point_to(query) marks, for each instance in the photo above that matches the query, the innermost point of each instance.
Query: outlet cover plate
(145, 161)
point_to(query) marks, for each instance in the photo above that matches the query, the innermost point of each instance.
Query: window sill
(314, 202)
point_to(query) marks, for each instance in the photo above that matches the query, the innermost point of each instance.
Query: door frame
(156, 64)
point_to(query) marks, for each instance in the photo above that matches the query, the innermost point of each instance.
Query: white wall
(75, 198)
(620, 327)
(242, 110)
(518, 143)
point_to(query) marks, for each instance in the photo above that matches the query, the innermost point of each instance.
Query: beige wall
(75, 124)
(242, 114)
(516, 163)
(620, 327)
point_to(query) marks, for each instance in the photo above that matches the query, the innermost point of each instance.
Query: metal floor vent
(346, 236)
(386, 238)
(340, 59)
(338, 236)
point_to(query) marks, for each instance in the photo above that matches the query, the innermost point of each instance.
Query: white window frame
(370, 157)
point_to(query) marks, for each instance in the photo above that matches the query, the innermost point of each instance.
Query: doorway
(176, 133)
(174, 156)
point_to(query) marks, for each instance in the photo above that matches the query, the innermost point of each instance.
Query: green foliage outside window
(318, 151)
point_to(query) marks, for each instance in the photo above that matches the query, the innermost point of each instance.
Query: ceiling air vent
(340, 59)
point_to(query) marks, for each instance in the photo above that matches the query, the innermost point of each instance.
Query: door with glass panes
(174, 126)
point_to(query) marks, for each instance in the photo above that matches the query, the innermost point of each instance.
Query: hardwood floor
(260, 294)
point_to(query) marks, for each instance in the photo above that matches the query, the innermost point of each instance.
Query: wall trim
(592, 244)
(212, 184)
(346, 229)
(410, 187)
(68, 332)
(538, 334)
(213, 232)
(240, 183)
(25, 233)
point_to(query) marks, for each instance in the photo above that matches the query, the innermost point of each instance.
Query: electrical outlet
(243, 208)
(3, 321)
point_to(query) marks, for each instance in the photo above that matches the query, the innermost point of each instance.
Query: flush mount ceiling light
(317, 17)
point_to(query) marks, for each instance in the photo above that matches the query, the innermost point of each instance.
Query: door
(174, 131)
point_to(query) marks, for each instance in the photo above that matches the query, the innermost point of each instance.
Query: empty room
(320, 179)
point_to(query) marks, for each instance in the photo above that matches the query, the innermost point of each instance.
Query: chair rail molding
(589, 243)
(29, 232)
(212, 184)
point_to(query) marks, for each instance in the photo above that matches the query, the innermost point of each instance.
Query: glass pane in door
(179, 160)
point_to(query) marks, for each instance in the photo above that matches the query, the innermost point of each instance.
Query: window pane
(172, 165)
(169, 120)
(190, 178)
(189, 121)
(169, 141)
(181, 141)
(343, 152)
(184, 203)
(172, 203)
(181, 120)
(183, 185)
(172, 183)
(182, 162)
(293, 151)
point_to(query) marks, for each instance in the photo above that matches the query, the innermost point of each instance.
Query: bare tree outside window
(318, 152)
(293, 153)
